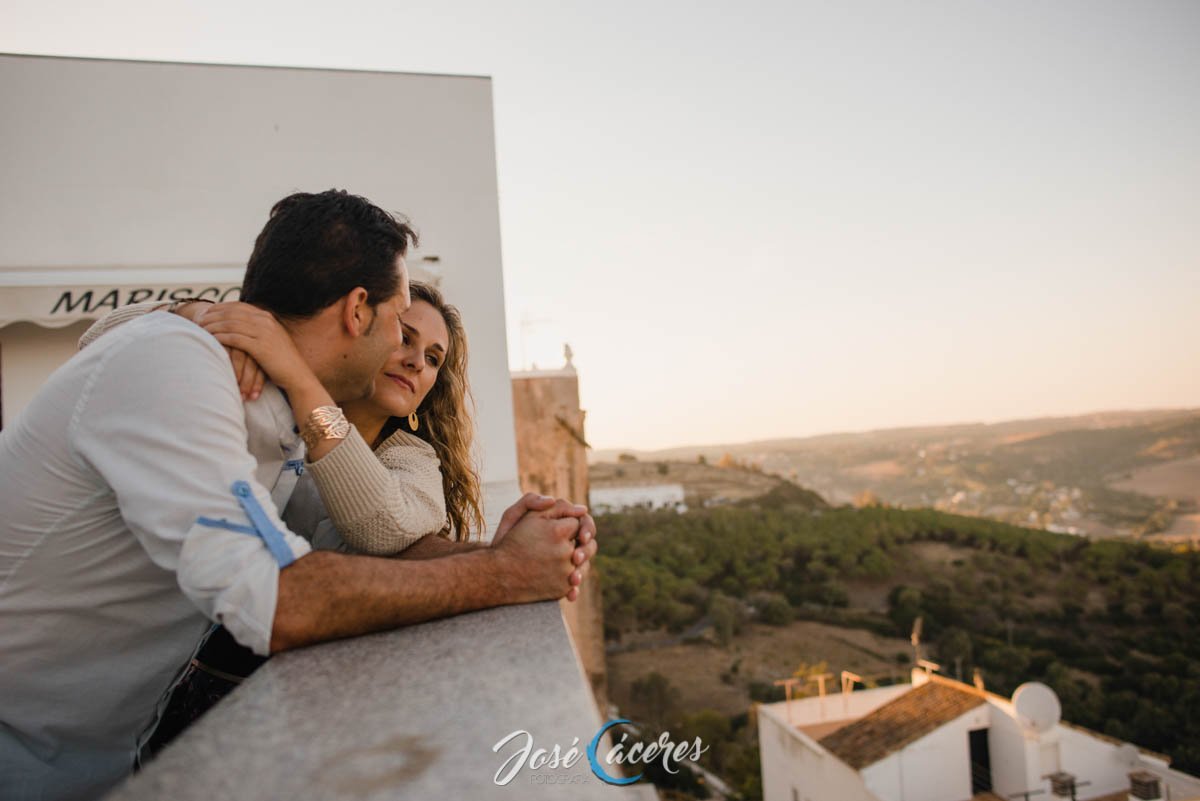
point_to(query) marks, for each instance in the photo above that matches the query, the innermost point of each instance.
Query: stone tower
(552, 460)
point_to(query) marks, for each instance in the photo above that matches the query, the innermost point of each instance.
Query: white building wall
(1013, 759)
(936, 767)
(796, 768)
(143, 164)
(1092, 759)
(654, 496)
(836, 706)
(1178, 785)
(1021, 759)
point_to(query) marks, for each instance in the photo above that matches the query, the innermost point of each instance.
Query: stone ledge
(408, 714)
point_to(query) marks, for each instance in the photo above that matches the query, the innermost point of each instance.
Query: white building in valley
(942, 740)
(648, 496)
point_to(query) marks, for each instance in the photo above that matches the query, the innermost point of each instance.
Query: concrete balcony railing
(408, 714)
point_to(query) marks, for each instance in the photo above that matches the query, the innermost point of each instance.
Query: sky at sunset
(760, 220)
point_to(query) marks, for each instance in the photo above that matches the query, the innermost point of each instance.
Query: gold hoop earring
(413, 422)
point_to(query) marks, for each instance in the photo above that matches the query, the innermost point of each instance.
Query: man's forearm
(432, 546)
(327, 595)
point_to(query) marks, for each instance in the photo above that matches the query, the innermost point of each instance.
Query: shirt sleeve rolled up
(162, 422)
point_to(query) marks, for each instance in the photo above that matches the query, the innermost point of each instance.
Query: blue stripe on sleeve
(225, 524)
(263, 527)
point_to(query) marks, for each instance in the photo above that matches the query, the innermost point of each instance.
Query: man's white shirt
(131, 514)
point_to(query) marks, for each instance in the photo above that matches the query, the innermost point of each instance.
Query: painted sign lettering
(92, 301)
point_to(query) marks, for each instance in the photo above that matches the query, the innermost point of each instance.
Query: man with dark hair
(139, 501)
(315, 248)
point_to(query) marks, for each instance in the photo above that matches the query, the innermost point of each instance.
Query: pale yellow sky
(759, 220)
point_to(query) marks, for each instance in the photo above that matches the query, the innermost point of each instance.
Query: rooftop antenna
(820, 680)
(848, 680)
(915, 637)
(787, 685)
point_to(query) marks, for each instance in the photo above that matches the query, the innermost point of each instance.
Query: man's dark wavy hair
(315, 248)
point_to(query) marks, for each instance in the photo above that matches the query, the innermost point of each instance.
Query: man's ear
(357, 316)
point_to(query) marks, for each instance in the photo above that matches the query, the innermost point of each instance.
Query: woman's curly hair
(447, 423)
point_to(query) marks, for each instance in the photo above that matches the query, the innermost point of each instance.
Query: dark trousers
(217, 669)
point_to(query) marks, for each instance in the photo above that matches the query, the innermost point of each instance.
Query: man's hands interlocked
(545, 547)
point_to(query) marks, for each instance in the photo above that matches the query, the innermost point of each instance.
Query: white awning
(53, 297)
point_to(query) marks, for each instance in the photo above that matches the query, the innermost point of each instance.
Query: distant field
(877, 470)
(1179, 480)
(1101, 476)
(760, 653)
(1184, 527)
(699, 481)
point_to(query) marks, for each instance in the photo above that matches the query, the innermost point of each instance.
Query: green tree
(656, 699)
(714, 731)
(726, 615)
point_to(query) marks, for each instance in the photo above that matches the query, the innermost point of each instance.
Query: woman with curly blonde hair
(445, 418)
(419, 425)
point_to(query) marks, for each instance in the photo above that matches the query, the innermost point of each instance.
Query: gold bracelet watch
(324, 422)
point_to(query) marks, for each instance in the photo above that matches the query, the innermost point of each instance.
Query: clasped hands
(546, 538)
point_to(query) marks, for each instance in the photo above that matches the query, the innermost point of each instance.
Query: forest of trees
(1107, 624)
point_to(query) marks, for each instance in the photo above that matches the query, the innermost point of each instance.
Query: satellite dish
(1037, 707)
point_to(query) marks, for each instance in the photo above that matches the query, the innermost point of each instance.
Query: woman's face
(411, 371)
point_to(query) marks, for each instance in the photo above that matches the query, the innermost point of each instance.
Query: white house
(942, 740)
(127, 181)
(648, 496)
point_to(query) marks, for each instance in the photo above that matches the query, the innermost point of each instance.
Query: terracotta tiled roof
(987, 797)
(900, 722)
